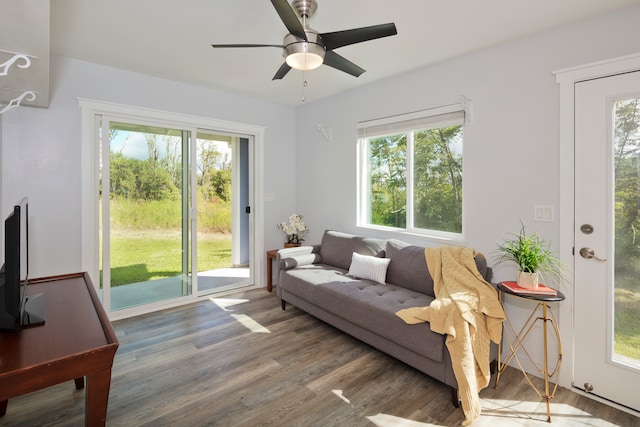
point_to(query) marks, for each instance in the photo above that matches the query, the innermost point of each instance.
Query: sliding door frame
(91, 111)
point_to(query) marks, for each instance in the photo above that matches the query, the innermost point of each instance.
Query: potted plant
(295, 229)
(533, 257)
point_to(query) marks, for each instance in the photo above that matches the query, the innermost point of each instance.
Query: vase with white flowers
(295, 229)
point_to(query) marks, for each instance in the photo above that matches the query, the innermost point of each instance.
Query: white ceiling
(171, 39)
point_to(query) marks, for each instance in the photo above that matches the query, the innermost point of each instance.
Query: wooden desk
(271, 256)
(76, 341)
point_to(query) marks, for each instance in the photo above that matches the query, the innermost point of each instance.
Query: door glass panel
(217, 268)
(626, 346)
(148, 214)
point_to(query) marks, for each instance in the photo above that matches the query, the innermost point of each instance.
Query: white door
(607, 238)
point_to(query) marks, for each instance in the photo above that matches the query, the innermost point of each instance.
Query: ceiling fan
(305, 49)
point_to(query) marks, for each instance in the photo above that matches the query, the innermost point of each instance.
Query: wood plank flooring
(240, 360)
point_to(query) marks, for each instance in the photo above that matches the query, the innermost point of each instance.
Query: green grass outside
(627, 317)
(139, 256)
(146, 239)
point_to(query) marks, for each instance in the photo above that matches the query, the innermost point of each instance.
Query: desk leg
(3, 407)
(79, 383)
(97, 398)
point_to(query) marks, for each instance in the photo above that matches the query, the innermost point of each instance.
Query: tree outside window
(412, 179)
(437, 183)
(388, 183)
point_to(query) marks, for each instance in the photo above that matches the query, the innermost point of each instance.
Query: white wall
(511, 152)
(41, 151)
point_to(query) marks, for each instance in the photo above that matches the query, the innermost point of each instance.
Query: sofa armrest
(298, 260)
(293, 253)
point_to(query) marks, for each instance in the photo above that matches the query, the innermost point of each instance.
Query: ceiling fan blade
(338, 39)
(289, 18)
(282, 71)
(338, 62)
(246, 45)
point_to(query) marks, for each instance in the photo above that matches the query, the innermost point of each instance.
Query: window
(410, 172)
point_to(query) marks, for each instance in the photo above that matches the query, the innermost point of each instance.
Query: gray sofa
(315, 279)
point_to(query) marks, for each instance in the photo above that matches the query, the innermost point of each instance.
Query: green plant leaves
(532, 255)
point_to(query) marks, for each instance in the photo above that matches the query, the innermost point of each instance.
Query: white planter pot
(528, 280)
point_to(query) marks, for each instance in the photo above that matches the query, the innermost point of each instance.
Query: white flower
(295, 229)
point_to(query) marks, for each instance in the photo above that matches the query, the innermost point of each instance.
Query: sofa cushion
(483, 268)
(337, 248)
(408, 267)
(369, 267)
(367, 304)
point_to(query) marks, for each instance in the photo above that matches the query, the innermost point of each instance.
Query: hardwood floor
(240, 360)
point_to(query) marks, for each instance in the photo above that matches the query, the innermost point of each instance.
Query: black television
(17, 308)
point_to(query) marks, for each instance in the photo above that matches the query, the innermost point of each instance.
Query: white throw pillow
(369, 267)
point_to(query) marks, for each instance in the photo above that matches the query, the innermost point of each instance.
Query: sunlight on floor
(385, 420)
(341, 396)
(223, 303)
(250, 324)
(243, 319)
(500, 410)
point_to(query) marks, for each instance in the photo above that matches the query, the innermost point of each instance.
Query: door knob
(588, 253)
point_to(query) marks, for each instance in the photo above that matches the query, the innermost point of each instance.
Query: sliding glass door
(222, 200)
(145, 201)
(172, 201)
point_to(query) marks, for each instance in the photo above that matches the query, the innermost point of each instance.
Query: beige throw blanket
(468, 311)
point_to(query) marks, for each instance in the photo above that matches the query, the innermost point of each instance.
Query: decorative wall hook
(15, 102)
(326, 131)
(4, 67)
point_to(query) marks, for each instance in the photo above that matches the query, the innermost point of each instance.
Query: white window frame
(405, 123)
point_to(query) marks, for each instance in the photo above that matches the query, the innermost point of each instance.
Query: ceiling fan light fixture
(304, 60)
(303, 55)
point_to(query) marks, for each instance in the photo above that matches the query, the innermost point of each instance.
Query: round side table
(517, 345)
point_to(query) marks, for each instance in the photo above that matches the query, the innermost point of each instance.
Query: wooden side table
(271, 256)
(547, 317)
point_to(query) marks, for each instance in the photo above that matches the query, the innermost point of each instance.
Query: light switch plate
(544, 213)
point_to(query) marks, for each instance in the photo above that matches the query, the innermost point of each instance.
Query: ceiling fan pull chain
(304, 84)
